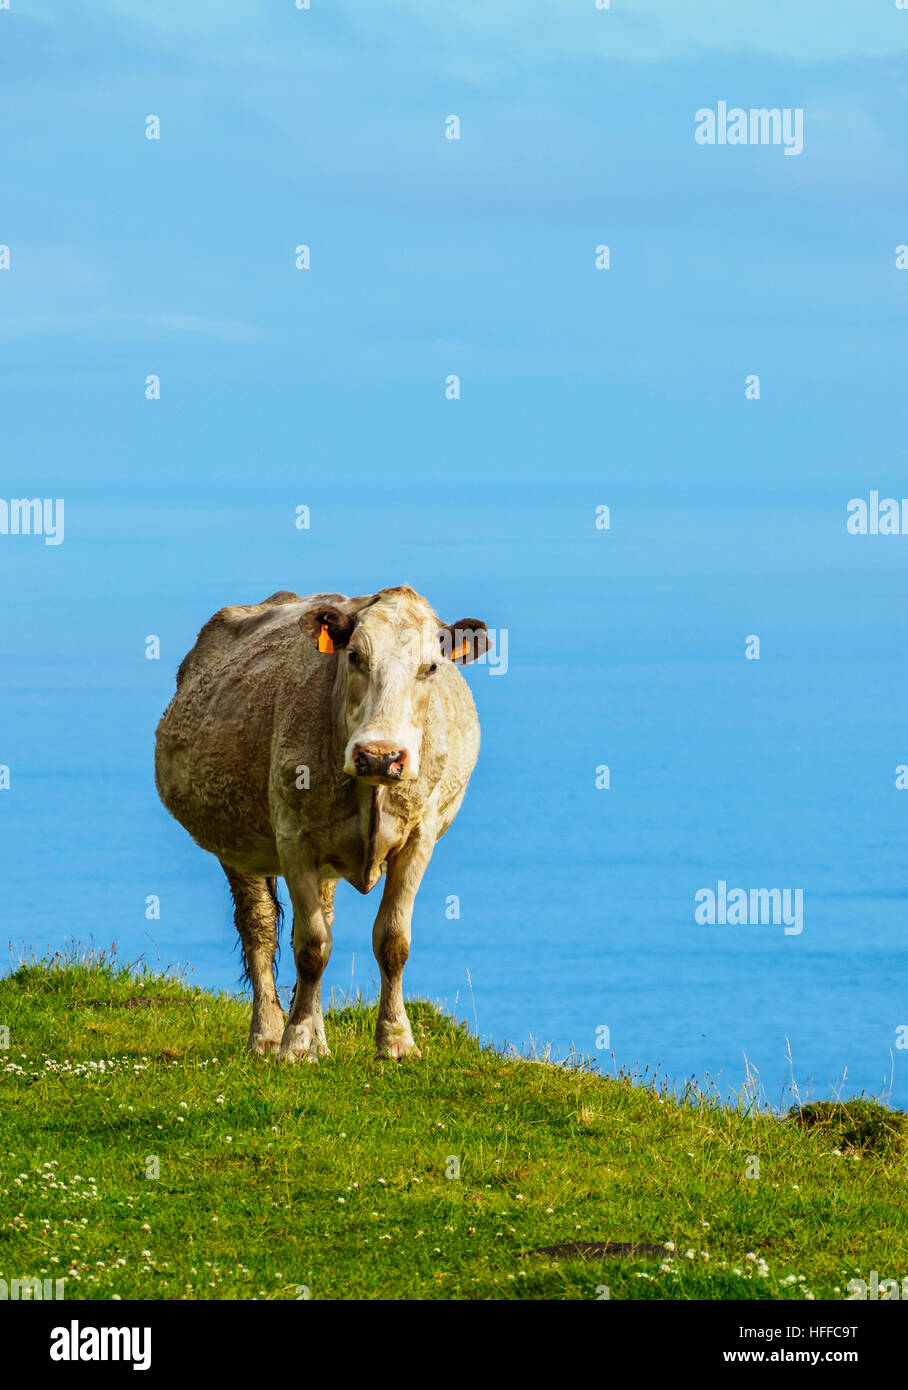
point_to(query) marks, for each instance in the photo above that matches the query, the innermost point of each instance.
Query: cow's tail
(271, 885)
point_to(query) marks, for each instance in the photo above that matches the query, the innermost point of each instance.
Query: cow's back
(213, 748)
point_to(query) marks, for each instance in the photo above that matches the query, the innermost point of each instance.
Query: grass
(338, 1179)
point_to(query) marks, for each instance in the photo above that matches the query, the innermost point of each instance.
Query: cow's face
(389, 648)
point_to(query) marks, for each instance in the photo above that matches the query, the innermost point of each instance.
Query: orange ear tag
(324, 640)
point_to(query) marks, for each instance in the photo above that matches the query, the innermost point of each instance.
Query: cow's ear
(464, 641)
(328, 629)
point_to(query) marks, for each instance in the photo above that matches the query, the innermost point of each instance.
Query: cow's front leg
(326, 890)
(304, 1035)
(391, 943)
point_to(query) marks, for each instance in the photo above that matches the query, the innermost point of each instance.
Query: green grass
(334, 1178)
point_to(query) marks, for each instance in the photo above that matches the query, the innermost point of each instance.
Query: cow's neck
(375, 834)
(380, 830)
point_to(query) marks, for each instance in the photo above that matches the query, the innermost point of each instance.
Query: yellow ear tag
(324, 640)
(461, 652)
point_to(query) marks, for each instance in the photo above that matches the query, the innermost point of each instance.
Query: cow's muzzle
(379, 760)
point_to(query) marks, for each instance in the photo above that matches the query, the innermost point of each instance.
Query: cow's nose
(379, 760)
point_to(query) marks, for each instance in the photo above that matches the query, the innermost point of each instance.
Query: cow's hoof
(261, 1046)
(295, 1054)
(299, 1043)
(397, 1051)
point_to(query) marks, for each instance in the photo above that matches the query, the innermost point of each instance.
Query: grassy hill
(340, 1179)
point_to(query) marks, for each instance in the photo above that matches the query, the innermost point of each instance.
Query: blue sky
(325, 387)
(325, 126)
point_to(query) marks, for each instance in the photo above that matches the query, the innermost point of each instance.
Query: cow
(320, 738)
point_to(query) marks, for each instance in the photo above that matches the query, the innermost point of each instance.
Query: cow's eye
(430, 670)
(353, 657)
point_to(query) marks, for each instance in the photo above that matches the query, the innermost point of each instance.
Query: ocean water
(625, 648)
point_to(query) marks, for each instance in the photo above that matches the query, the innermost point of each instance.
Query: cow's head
(389, 647)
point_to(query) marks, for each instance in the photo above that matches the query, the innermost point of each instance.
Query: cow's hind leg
(256, 913)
